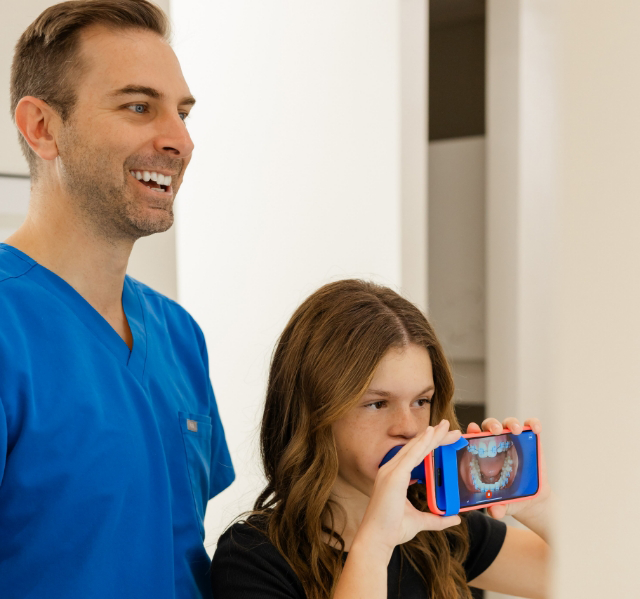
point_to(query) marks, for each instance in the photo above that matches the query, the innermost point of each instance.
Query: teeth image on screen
(490, 466)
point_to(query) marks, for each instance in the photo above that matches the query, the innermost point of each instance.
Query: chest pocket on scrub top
(196, 435)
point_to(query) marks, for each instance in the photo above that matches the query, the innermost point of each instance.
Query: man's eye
(184, 115)
(138, 108)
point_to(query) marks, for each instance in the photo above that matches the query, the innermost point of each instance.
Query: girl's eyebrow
(378, 392)
(381, 393)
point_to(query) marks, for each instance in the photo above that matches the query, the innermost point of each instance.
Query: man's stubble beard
(112, 210)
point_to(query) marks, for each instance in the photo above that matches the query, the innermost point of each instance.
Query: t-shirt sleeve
(246, 565)
(486, 536)
(221, 468)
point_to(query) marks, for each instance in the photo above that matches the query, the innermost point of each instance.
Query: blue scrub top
(107, 456)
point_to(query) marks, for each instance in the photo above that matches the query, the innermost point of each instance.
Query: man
(110, 440)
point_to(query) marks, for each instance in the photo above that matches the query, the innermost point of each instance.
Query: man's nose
(404, 424)
(173, 137)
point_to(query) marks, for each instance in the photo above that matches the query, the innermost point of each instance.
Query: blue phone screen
(494, 468)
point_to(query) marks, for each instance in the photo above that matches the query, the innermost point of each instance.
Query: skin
(378, 516)
(86, 210)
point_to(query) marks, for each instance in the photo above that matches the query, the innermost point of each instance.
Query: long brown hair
(321, 366)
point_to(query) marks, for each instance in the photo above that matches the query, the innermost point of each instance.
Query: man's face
(129, 117)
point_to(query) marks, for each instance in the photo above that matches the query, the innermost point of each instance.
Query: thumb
(433, 522)
(497, 511)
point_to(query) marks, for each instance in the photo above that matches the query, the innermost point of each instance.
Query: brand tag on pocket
(192, 425)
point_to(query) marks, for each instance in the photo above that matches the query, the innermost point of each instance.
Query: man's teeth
(159, 178)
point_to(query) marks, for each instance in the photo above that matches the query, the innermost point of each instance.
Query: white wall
(14, 199)
(14, 184)
(295, 182)
(414, 149)
(564, 284)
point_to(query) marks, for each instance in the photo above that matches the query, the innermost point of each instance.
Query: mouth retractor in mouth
(155, 181)
(476, 473)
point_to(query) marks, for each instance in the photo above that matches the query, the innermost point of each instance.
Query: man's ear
(37, 122)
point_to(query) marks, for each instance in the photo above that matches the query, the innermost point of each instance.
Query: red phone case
(430, 476)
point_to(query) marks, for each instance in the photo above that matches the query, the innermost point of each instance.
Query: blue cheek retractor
(445, 462)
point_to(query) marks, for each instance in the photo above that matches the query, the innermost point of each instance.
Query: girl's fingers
(473, 428)
(491, 425)
(535, 425)
(417, 440)
(410, 452)
(513, 424)
(443, 436)
(431, 437)
(418, 448)
(451, 437)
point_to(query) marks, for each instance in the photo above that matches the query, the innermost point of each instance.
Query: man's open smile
(153, 180)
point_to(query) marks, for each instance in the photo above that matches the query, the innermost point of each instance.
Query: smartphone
(488, 470)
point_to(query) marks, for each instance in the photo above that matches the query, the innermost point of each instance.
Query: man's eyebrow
(131, 90)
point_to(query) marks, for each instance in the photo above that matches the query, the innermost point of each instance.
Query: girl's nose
(404, 424)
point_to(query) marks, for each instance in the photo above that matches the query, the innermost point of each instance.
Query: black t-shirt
(247, 566)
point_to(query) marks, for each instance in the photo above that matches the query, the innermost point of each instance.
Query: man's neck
(94, 266)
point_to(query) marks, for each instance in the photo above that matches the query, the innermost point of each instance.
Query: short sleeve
(221, 472)
(246, 565)
(486, 536)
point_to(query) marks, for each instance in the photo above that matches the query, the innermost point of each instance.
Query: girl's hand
(390, 518)
(520, 509)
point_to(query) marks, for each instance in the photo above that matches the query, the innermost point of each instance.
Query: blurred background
(481, 158)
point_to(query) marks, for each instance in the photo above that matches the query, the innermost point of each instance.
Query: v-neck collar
(135, 359)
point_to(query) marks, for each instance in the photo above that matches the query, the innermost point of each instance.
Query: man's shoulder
(12, 265)
(16, 286)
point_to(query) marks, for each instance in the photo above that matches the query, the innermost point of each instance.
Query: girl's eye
(424, 402)
(376, 405)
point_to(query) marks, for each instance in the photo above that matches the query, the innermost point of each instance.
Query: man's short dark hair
(46, 63)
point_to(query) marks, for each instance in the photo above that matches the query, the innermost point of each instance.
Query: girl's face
(394, 409)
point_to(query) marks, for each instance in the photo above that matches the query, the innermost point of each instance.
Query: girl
(358, 370)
